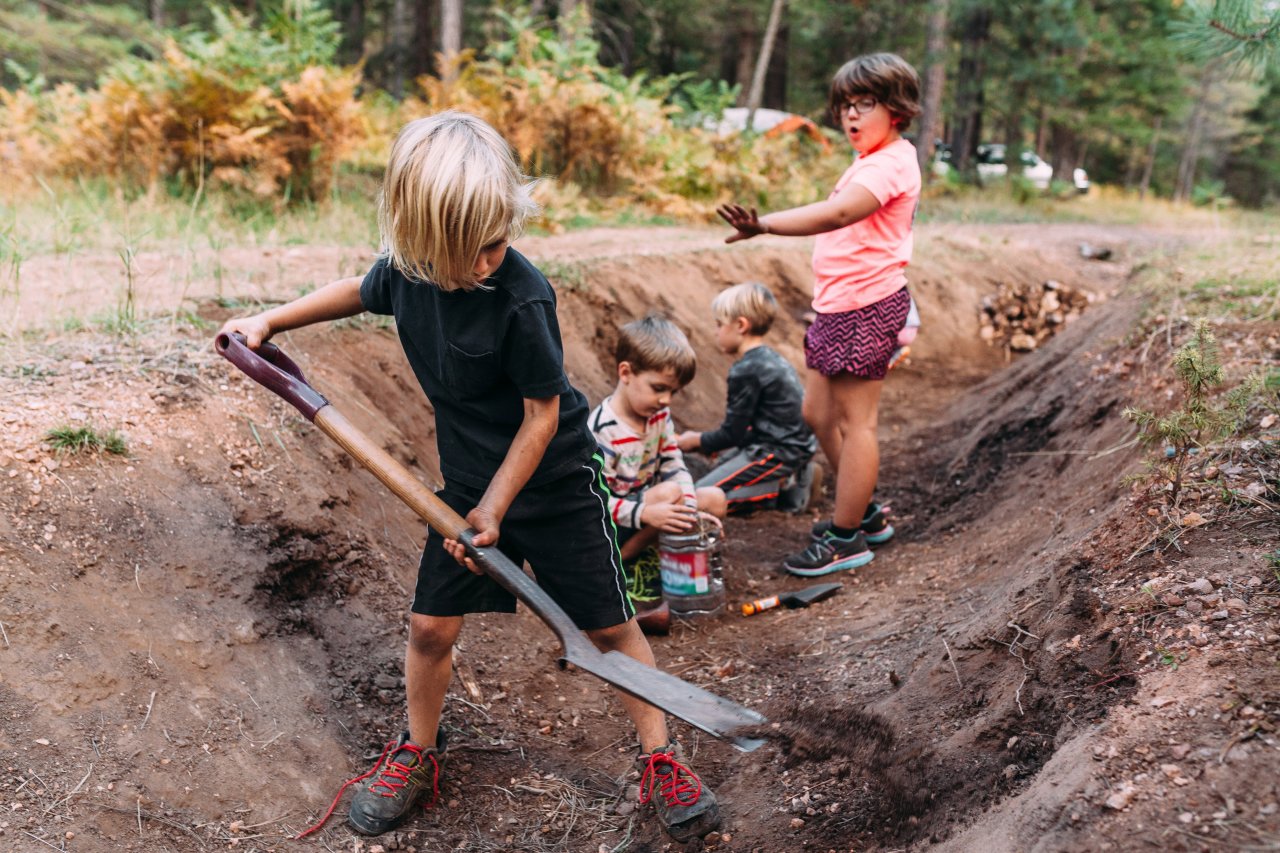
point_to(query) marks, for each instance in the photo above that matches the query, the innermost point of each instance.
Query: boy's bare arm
(541, 419)
(851, 204)
(334, 301)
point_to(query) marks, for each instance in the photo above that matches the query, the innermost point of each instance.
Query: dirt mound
(202, 640)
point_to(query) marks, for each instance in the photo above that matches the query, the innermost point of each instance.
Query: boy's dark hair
(655, 343)
(887, 77)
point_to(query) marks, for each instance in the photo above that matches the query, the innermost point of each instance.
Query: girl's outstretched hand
(745, 220)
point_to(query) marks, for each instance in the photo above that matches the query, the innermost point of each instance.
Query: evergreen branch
(1260, 36)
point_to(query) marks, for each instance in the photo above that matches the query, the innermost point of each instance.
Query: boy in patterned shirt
(650, 489)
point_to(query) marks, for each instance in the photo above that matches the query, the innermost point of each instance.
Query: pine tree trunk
(424, 38)
(400, 32)
(762, 61)
(967, 129)
(1063, 150)
(450, 34)
(775, 78)
(935, 75)
(1191, 148)
(157, 13)
(352, 48)
(1151, 158)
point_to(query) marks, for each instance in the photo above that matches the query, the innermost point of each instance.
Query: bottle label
(686, 573)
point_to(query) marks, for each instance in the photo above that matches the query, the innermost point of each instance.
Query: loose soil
(202, 640)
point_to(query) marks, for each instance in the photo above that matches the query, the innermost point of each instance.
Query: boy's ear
(743, 325)
(624, 371)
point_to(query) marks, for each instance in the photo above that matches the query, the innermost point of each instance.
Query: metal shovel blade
(699, 708)
(808, 595)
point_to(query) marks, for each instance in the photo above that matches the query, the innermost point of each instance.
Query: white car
(991, 164)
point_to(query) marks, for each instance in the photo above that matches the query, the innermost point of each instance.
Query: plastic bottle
(693, 571)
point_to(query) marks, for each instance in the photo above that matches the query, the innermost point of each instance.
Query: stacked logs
(1021, 317)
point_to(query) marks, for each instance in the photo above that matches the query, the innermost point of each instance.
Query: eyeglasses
(860, 105)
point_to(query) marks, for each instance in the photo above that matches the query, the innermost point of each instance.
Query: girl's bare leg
(821, 415)
(857, 404)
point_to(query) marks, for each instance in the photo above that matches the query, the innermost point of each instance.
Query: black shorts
(562, 528)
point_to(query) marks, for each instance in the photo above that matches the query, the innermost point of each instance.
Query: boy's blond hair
(752, 300)
(655, 343)
(452, 188)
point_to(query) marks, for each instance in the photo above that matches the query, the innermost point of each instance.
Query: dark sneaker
(404, 775)
(686, 808)
(830, 554)
(801, 489)
(875, 525)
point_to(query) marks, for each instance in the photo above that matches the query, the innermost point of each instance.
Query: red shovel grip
(273, 370)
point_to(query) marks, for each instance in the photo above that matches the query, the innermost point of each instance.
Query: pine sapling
(1197, 422)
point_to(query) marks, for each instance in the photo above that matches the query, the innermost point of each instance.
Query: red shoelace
(673, 782)
(394, 776)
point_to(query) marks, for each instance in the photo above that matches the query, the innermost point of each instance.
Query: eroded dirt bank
(203, 640)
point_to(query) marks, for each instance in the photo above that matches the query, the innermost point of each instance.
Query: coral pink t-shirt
(862, 263)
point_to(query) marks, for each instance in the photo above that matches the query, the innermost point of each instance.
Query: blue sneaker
(875, 525)
(830, 554)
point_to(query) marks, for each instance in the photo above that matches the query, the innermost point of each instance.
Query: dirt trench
(211, 634)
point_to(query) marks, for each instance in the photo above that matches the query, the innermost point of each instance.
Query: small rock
(1011, 771)
(1186, 817)
(1193, 519)
(1179, 751)
(1022, 342)
(1211, 473)
(1219, 615)
(797, 822)
(1120, 798)
(1161, 701)
(1237, 605)
(1169, 599)
(1201, 586)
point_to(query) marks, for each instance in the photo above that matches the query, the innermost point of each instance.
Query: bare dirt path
(201, 640)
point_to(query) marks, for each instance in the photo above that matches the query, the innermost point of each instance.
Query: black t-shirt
(477, 355)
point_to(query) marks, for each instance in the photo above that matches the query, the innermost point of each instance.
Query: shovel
(275, 371)
(799, 598)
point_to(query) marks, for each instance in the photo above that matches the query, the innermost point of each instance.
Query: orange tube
(760, 604)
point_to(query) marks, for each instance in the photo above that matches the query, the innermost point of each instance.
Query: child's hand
(743, 219)
(673, 518)
(485, 523)
(256, 330)
(689, 440)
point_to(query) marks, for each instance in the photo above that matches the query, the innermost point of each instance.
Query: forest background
(276, 103)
